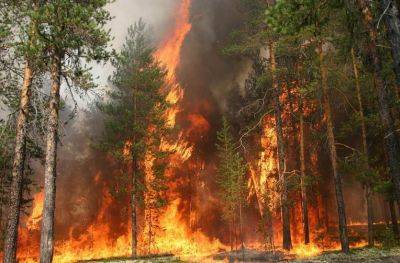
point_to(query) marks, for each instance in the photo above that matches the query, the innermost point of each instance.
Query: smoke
(206, 75)
(156, 13)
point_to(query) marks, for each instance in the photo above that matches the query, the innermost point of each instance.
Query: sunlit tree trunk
(392, 147)
(11, 234)
(367, 185)
(285, 210)
(333, 153)
(47, 233)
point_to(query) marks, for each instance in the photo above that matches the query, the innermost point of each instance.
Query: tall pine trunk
(285, 210)
(134, 184)
(47, 233)
(344, 241)
(392, 147)
(392, 20)
(133, 207)
(367, 184)
(11, 235)
(303, 187)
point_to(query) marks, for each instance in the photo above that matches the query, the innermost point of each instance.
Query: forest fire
(224, 143)
(173, 234)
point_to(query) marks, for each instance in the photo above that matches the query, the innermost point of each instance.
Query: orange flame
(36, 215)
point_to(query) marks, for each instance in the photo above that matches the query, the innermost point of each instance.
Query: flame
(306, 251)
(170, 52)
(176, 237)
(36, 215)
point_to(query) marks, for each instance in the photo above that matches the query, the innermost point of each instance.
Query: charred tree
(392, 147)
(285, 210)
(333, 153)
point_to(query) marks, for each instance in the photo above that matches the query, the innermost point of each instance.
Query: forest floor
(386, 251)
(367, 255)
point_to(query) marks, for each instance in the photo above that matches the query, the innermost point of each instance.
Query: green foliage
(231, 173)
(134, 110)
(75, 31)
(248, 39)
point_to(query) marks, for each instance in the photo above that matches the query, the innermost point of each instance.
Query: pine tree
(72, 33)
(313, 26)
(135, 123)
(18, 22)
(231, 178)
(385, 93)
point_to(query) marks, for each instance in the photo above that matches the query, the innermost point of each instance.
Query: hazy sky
(156, 13)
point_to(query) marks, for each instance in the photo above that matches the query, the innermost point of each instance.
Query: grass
(366, 254)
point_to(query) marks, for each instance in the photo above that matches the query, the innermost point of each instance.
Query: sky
(156, 13)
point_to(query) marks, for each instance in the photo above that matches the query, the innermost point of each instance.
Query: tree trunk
(303, 188)
(333, 155)
(10, 245)
(392, 147)
(134, 188)
(393, 217)
(241, 227)
(384, 207)
(47, 233)
(392, 20)
(285, 211)
(367, 184)
(133, 208)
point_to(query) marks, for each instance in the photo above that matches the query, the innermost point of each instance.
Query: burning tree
(135, 124)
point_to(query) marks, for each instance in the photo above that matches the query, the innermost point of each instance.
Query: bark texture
(133, 208)
(392, 147)
(134, 186)
(285, 210)
(367, 184)
(10, 245)
(392, 20)
(47, 232)
(303, 188)
(344, 241)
